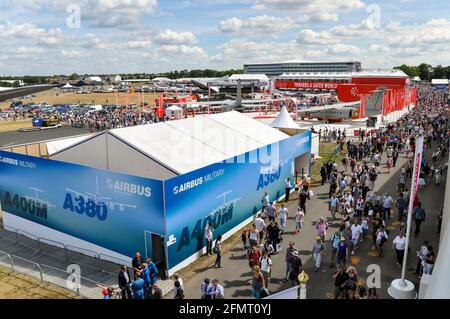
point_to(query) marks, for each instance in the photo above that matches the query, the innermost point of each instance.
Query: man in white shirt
(288, 189)
(399, 244)
(266, 267)
(333, 204)
(209, 238)
(357, 232)
(260, 227)
(387, 204)
(216, 291)
(283, 214)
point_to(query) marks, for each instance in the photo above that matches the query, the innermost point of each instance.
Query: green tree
(425, 71)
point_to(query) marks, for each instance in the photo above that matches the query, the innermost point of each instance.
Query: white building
(275, 69)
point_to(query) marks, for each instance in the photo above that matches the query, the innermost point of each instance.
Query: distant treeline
(426, 72)
(183, 74)
(30, 80)
(33, 80)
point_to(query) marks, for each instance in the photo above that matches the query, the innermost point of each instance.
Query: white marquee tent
(286, 124)
(285, 121)
(167, 149)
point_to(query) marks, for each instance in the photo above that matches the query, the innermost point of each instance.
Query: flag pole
(402, 288)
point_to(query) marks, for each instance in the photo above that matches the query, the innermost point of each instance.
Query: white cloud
(260, 25)
(71, 54)
(343, 49)
(98, 13)
(182, 49)
(170, 37)
(28, 51)
(308, 36)
(312, 10)
(138, 44)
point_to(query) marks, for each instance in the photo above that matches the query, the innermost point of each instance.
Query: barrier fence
(38, 149)
(70, 278)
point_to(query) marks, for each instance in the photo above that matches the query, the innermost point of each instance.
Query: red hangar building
(349, 86)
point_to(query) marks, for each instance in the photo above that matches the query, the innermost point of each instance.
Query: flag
(160, 112)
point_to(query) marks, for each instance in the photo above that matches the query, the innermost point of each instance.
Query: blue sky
(115, 36)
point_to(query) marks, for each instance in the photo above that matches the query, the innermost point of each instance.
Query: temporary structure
(174, 112)
(167, 149)
(285, 123)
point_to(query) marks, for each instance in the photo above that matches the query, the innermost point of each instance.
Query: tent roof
(58, 145)
(284, 120)
(174, 108)
(68, 86)
(186, 145)
(193, 143)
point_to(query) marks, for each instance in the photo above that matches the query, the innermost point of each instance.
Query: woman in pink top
(321, 228)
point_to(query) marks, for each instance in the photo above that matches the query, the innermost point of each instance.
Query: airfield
(55, 96)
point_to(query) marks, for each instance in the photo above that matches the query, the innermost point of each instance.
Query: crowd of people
(361, 212)
(117, 118)
(358, 212)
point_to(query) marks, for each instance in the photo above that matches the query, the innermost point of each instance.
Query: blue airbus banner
(114, 211)
(226, 194)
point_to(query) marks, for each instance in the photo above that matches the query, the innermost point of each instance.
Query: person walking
(209, 238)
(340, 277)
(288, 259)
(302, 198)
(381, 238)
(399, 244)
(401, 206)
(299, 220)
(253, 257)
(283, 214)
(260, 227)
(352, 282)
(253, 236)
(296, 268)
(318, 251)
(419, 217)
(218, 251)
(322, 228)
(429, 261)
(335, 240)
(257, 282)
(266, 268)
(323, 174)
(342, 253)
(356, 235)
(179, 292)
(333, 204)
(387, 204)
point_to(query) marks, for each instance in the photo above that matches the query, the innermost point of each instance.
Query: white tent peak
(284, 120)
(174, 108)
(68, 86)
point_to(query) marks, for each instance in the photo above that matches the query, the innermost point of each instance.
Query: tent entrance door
(154, 249)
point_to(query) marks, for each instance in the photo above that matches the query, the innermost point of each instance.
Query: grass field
(6, 126)
(14, 285)
(326, 154)
(55, 97)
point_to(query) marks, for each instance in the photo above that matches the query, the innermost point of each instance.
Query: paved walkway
(235, 275)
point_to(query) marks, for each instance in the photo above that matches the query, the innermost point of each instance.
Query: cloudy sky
(42, 37)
